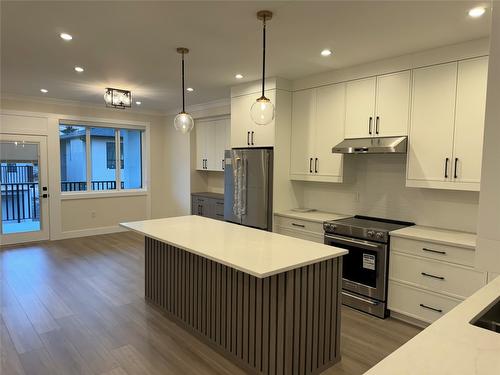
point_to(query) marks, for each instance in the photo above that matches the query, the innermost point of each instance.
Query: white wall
(375, 186)
(488, 241)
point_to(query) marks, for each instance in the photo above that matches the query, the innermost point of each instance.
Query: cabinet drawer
(434, 275)
(218, 209)
(297, 224)
(418, 303)
(300, 234)
(452, 254)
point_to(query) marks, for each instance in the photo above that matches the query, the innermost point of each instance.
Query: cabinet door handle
(252, 139)
(310, 165)
(446, 167)
(298, 225)
(433, 276)
(248, 138)
(456, 165)
(434, 251)
(370, 120)
(222, 164)
(431, 308)
(377, 121)
(315, 165)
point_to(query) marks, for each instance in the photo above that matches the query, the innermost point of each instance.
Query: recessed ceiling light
(238, 76)
(477, 12)
(190, 89)
(79, 69)
(138, 103)
(44, 91)
(65, 36)
(326, 52)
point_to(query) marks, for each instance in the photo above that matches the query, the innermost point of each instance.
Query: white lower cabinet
(299, 228)
(427, 279)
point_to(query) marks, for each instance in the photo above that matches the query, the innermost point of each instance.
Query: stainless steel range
(365, 268)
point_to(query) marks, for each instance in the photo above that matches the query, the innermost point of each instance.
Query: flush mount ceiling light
(65, 36)
(117, 98)
(138, 103)
(477, 12)
(326, 52)
(190, 89)
(44, 91)
(79, 69)
(183, 122)
(238, 76)
(262, 111)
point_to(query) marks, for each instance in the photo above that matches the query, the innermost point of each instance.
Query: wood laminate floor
(77, 307)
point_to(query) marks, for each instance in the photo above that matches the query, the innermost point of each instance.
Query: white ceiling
(131, 44)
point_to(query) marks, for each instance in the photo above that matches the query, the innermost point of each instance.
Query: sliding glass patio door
(24, 192)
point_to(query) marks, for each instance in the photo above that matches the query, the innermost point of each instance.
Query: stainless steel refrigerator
(248, 187)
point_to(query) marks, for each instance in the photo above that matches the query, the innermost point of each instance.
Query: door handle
(248, 138)
(377, 121)
(315, 165)
(310, 165)
(252, 139)
(455, 172)
(446, 167)
(370, 125)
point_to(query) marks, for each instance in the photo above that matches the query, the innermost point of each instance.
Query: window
(89, 154)
(111, 155)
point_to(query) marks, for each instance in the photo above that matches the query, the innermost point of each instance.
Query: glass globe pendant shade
(183, 122)
(262, 111)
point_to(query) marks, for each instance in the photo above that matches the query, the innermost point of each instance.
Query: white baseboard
(88, 232)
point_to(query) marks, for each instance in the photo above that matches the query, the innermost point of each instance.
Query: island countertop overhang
(253, 251)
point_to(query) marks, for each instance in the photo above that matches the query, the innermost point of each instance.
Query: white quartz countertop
(450, 346)
(316, 216)
(256, 252)
(437, 235)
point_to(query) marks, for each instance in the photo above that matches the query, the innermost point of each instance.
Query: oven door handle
(360, 298)
(352, 241)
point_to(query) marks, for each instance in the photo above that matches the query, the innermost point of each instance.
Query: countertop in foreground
(256, 252)
(450, 346)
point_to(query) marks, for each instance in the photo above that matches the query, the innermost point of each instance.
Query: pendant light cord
(183, 109)
(263, 54)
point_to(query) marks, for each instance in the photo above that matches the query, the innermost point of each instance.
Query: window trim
(89, 193)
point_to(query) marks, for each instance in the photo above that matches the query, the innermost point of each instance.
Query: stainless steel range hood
(379, 145)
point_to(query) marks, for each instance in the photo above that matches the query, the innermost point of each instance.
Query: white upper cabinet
(303, 122)
(212, 138)
(469, 120)
(222, 142)
(447, 124)
(432, 121)
(378, 106)
(244, 132)
(318, 117)
(330, 120)
(392, 112)
(360, 108)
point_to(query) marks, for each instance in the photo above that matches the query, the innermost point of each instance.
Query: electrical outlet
(92, 214)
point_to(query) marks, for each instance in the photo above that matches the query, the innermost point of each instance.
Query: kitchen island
(268, 302)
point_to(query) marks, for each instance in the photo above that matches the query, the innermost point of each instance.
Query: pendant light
(183, 122)
(262, 111)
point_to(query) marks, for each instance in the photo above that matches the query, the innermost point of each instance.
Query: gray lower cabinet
(208, 205)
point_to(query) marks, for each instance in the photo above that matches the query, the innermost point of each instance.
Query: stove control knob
(370, 233)
(379, 235)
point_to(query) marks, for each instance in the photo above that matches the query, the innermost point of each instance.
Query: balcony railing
(20, 201)
(94, 185)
